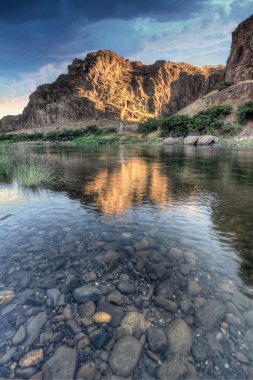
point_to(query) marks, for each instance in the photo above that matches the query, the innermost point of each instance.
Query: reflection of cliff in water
(133, 182)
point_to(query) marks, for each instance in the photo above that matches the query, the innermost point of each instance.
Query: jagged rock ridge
(105, 85)
(240, 61)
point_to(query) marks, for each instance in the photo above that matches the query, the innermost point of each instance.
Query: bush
(244, 112)
(222, 85)
(175, 126)
(93, 130)
(148, 126)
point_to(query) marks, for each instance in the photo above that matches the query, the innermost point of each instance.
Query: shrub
(93, 130)
(148, 126)
(244, 112)
(175, 125)
(222, 85)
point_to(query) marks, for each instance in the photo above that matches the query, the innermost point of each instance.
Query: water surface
(169, 228)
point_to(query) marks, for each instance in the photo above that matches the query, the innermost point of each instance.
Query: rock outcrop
(105, 85)
(240, 62)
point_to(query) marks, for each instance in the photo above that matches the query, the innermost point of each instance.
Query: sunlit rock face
(239, 64)
(106, 85)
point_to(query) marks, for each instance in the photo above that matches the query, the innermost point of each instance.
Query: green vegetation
(207, 121)
(222, 85)
(63, 135)
(26, 170)
(244, 112)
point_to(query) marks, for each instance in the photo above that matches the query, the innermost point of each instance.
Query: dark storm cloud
(16, 11)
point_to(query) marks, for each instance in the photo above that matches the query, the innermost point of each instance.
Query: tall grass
(27, 170)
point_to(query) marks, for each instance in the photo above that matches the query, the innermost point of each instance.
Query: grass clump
(244, 112)
(33, 175)
(27, 170)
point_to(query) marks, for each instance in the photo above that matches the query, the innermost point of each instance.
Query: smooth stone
(249, 318)
(54, 295)
(210, 314)
(8, 309)
(115, 297)
(83, 343)
(6, 357)
(193, 288)
(159, 270)
(177, 370)
(87, 372)
(109, 260)
(102, 317)
(73, 326)
(241, 301)
(176, 253)
(125, 356)
(233, 320)
(141, 245)
(87, 309)
(232, 309)
(31, 358)
(61, 365)
(166, 304)
(249, 335)
(241, 358)
(191, 140)
(135, 323)
(157, 340)
(185, 303)
(87, 293)
(70, 284)
(200, 350)
(116, 312)
(20, 336)
(37, 376)
(25, 373)
(170, 141)
(125, 287)
(90, 276)
(6, 296)
(33, 328)
(227, 286)
(179, 337)
(100, 337)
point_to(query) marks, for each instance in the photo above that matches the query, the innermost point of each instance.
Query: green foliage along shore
(244, 112)
(209, 121)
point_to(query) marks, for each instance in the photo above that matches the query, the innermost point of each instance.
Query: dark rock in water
(20, 336)
(70, 284)
(125, 287)
(116, 298)
(159, 270)
(54, 295)
(6, 357)
(166, 304)
(157, 340)
(177, 370)
(87, 372)
(34, 327)
(249, 335)
(210, 314)
(115, 312)
(73, 326)
(241, 301)
(109, 260)
(25, 373)
(87, 309)
(100, 337)
(19, 280)
(249, 318)
(201, 350)
(125, 356)
(186, 303)
(61, 365)
(87, 293)
(179, 337)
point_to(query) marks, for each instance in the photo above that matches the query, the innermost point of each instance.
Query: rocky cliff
(240, 62)
(105, 85)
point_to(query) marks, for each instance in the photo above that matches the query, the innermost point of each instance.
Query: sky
(38, 39)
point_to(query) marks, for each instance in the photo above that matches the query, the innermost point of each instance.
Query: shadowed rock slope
(107, 86)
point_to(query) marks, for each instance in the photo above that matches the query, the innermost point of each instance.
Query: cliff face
(105, 85)
(240, 62)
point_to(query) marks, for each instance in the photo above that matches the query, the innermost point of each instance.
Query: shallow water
(169, 228)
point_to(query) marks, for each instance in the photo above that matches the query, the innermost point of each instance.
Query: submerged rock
(102, 317)
(177, 370)
(6, 296)
(31, 358)
(135, 323)
(210, 314)
(34, 327)
(179, 337)
(87, 293)
(61, 365)
(125, 356)
(87, 372)
(157, 340)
